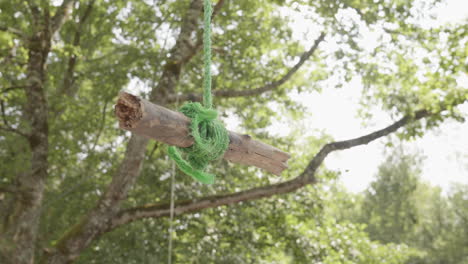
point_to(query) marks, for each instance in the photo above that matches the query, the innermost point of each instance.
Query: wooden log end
(128, 110)
(282, 156)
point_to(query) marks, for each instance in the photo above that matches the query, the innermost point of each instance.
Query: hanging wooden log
(156, 122)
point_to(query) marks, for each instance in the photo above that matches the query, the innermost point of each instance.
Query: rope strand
(210, 136)
(171, 215)
(207, 97)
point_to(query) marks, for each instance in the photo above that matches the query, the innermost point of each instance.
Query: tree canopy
(74, 187)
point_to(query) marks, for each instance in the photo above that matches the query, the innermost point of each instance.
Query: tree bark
(20, 226)
(22, 222)
(156, 122)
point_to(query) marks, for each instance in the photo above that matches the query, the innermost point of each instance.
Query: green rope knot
(210, 136)
(210, 142)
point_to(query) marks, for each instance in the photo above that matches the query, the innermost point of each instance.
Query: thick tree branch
(8, 189)
(198, 44)
(68, 79)
(34, 9)
(61, 15)
(22, 221)
(305, 178)
(260, 90)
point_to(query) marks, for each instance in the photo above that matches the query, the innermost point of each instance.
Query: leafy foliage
(400, 208)
(106, 46)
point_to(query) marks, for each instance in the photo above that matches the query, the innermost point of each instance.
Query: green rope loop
(210, 136)
(210, 141)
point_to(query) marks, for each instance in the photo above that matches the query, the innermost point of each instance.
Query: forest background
(387, 75)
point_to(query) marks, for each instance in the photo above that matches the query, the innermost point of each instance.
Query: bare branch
(268, 87)
(307, 177)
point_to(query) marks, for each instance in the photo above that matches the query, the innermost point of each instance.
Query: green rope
(207, 101)
(210, 136)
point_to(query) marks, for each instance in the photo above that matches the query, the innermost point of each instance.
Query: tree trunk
(22, 222)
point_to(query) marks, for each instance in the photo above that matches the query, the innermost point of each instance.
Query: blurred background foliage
(124, 44)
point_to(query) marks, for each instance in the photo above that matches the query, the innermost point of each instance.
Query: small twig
(101, 128)
(12, 88)
(7, 126)
(155, 147)
(13, 31)
(2, 106)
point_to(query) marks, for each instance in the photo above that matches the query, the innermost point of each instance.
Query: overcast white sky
(446, 150)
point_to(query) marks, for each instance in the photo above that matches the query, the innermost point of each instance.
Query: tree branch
(307, 177)
(198, 44)
(13, 31)
(6, 126)
(68, 79)
(8, 189)
(34, 9)
(103, 124)
(12, 88)
(61, 15)
(182, 52)
(251, 92)
(16, 131)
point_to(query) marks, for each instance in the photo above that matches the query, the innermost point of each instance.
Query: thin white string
(171, 215)
(171, 209)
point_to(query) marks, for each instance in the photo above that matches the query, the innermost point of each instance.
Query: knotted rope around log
(210, 136)
(210, 142)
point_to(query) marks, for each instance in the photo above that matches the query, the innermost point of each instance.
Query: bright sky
(446, 150)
